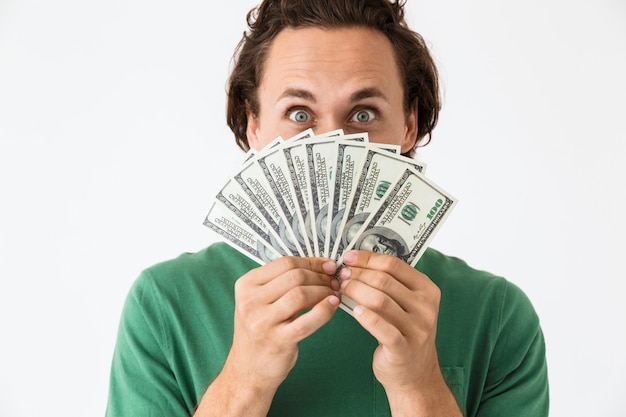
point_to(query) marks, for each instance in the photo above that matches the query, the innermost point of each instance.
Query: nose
(326, 124)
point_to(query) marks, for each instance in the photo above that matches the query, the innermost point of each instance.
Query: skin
(324, 80)
(327, 80)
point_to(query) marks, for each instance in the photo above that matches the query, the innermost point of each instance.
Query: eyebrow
(359, 95)
(298, 93)
(368, 93)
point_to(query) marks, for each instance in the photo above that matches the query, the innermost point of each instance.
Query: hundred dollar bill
(321, 159)
(294, 158)
(404, 223)
(347, 166)
(378, 171)
(275, 169)
(294, 153)
(251, 179)
(235, 199)
(238, 235)
(349, 156)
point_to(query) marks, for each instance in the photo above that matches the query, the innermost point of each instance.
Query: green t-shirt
(177, 325)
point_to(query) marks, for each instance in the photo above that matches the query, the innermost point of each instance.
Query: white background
(113, 141)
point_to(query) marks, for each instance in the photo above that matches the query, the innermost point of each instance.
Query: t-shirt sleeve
(142, 383)
(517, 381)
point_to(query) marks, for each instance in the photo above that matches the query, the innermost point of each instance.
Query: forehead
(342, 55)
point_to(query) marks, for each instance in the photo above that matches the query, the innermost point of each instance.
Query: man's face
(332, 79)
(379, 244)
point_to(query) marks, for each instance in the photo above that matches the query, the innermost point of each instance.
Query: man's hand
(269, 323)
(399, 306)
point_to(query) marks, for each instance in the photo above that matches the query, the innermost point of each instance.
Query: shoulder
(186, 279)
(488, 326)
(467, 286)
(170, 305)
(168, 295)
(447, 270)
(478, 304)
(218, 259)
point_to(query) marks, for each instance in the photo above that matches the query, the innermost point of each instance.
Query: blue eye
(363, 116)
(299, 116)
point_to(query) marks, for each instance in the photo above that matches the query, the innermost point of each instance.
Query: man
(214, 334)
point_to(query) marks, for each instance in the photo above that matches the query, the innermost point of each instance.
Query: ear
(410, 129)
(252, 129)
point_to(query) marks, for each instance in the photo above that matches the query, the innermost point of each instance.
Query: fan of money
(321, 195)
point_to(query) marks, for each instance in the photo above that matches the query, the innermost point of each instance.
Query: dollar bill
(347, 166)
(378, 171)
(276, 170)
(326, 194)
(404, 223)
(235, 199)
(294, 156)
(321, 159)
(237, 234)
(251, 179)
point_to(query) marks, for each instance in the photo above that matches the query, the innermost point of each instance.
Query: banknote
(406, 220)
(276, 169)
(378, 171)
(246, 195)
(347, 167)
(321, 158)
(321, 195)
(272, 193)
(251, 180)
(235, 199)
(294, 157)
(238, 234)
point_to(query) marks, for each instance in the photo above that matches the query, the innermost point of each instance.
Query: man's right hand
(269, 323)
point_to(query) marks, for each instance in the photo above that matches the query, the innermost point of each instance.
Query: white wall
(113, 141)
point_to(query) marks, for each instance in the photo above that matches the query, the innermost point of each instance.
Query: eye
(299, 116)
(363, 116)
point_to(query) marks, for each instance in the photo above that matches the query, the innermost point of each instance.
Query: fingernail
(329, 267)
(349, 256)
(334, 300)
(334, 284)
(344, 283)
(358, 311)
(345, 273)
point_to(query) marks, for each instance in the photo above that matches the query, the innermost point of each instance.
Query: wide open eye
(299, 116)
(363, 116)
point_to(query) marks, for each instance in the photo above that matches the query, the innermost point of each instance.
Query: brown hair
(387, 16)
